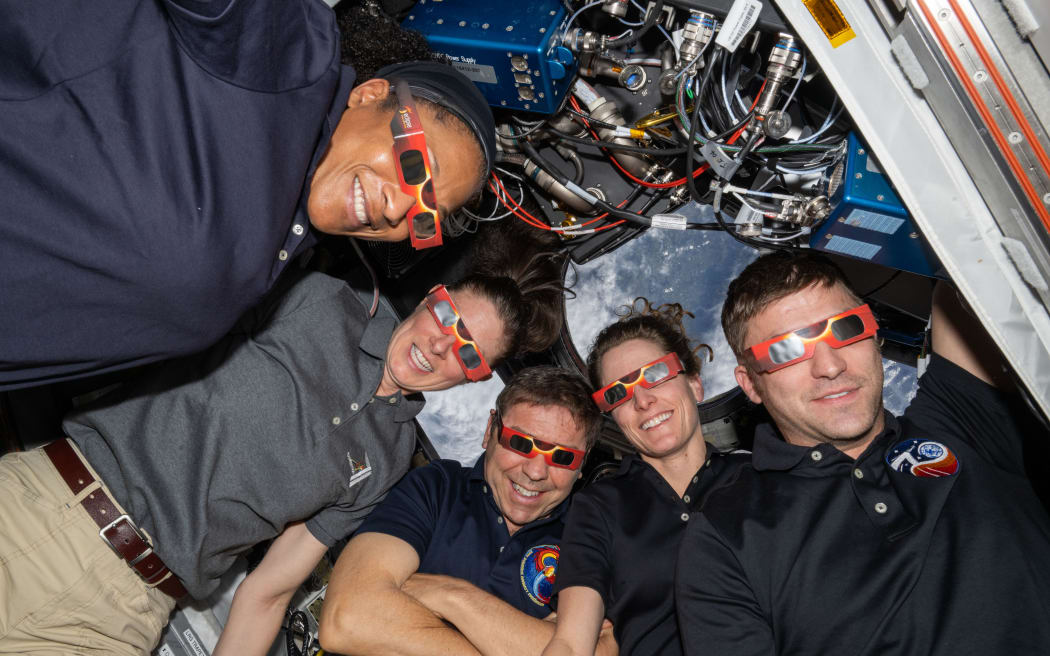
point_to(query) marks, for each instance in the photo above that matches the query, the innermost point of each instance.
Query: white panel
(913, 149)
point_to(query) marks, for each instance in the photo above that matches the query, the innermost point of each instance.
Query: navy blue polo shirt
(931, 542)
(154, 166)
(447, 513)
(622, 539)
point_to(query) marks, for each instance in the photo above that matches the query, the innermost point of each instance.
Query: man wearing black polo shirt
(462, 559)
(855, 531)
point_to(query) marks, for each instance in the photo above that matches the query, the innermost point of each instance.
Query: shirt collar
(771, 452)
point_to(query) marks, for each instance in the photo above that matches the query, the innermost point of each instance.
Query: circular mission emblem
(538, 566)
(922, 458)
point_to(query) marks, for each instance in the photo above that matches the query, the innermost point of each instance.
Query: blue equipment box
(868, 221)
(511, 51)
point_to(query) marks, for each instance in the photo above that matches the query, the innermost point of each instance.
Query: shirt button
(283, 255)
(485, 489)
(881, 508)
(499, 520)
(686, 498)
(392, 400)
(858, 473)
(354, 407)
(685, 517)
(336, 421)
(297, 229)
(696, 479)
(815, 455)
(501, 549)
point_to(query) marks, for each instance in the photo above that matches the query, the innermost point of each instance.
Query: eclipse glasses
(620, 391)
(530, 447)
(449, 320)
(413, 171)
(798, 345)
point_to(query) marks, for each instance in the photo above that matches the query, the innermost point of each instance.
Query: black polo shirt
(621, 539)
(154, 159)
(931, 542)
(447, 513)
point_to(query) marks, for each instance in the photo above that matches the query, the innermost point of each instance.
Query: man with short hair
(853, 530)
(463, 559)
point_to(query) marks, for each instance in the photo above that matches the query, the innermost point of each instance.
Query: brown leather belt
(116, 529)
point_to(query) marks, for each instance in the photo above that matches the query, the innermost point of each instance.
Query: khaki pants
(62, 589)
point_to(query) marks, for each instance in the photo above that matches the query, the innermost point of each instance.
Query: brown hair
(768, 279)
(525, 287)
(661, 325)
(546, 386)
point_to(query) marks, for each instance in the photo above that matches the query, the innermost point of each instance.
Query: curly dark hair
(661, 324)
(370, 40)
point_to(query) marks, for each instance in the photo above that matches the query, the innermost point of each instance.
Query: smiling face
(527, 489)
(355, 189)
(420, 357)
(835, 396)
(660, 422)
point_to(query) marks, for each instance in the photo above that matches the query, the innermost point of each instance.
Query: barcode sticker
(741, 18)
(669, 221)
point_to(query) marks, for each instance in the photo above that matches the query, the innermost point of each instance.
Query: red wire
(533, 221)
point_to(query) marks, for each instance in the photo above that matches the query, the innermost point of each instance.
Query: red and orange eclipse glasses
(449, 320)
(413, 171)
(620, 391)
(530, 447)
(798, 345)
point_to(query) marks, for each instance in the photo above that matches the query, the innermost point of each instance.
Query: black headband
(443, 85)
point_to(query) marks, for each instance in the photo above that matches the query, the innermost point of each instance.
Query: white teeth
(522, 491)
(421, 362)
(835, 396)
(359, 203)
(657, 420)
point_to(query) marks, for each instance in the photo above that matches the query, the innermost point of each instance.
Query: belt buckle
(131, 561)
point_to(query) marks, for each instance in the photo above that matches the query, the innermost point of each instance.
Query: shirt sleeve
(586, 547)
(717, 610)
(411, 510)
(263, 45)
(952, 401)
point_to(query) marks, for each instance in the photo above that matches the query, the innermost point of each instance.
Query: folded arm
(367, 612)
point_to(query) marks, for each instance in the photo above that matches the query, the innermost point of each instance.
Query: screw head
(914, 235)
(1046, 198)
(1014, 137)
(880, 197)
(462, 23)
(859, 176)
(860, 151)
(980, 76)
(440, 21)
(944, 14)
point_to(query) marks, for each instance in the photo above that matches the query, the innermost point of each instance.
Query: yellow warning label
(830, 19)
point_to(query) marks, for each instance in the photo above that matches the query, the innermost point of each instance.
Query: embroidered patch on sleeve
(922, 458)
(538, 567)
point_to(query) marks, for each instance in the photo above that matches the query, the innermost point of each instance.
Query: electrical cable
(801, 74)
(572, 19)
(634, 38)
(611, 145)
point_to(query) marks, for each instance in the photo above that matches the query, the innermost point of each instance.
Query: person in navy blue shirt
(162, 162)
(853, 530)
(463, 559)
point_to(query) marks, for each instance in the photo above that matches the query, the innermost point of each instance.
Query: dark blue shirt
(447, 513)
(931, 542)
(154, 160)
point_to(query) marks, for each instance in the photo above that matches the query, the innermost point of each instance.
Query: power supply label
(830, 19)
(476, 72)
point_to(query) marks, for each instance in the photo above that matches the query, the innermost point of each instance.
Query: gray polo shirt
(276, 423)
